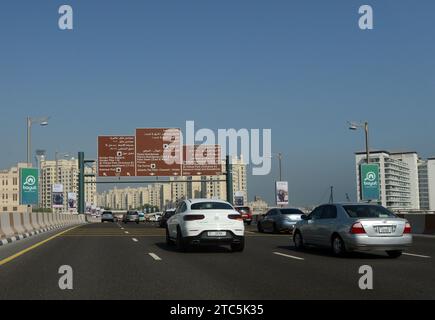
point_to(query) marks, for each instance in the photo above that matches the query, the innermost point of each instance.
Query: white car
(206, 222)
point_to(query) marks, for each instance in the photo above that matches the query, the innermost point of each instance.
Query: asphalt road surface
(114, 261)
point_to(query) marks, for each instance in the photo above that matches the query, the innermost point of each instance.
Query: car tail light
(235, 217)
(357, 228)
(193, 217)
(408, 228)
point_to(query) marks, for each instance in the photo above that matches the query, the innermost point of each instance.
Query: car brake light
(235, 217)
(193, 217)
(357, 228)
(408, 228)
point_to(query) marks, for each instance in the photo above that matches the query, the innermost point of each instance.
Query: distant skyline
(301, 68)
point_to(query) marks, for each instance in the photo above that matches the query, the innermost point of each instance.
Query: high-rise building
(65, 172)
(426, 174)
(10, 189)
(399, 178)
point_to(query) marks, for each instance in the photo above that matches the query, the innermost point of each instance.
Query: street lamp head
(44, 123)
(353, 125)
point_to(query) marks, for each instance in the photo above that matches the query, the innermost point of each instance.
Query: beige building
(64, 172)
(10, 189)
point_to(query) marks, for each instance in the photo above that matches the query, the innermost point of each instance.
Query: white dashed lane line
(154, 256)
(415, 255)
(126, 232)
(135, 240)
(288, 256)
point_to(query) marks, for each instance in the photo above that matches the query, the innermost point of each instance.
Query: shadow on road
(327, 253)
(195, 249)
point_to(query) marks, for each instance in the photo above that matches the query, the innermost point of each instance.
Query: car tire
(298, 240)
(260, 227)
(337, 246)
(181, 243)
(394, 254)
(238, 247)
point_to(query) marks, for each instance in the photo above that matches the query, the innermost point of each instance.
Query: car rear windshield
(291, 211)
(107, 213)
(132, 213)
(367, 211)
(211, 206)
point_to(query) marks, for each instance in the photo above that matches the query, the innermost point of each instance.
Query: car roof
(351, 204)
(193, 201)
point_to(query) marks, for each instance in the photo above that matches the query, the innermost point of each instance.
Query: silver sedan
(354, 227)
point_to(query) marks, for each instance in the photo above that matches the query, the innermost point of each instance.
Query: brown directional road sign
(116, 156)
(158, 152)
(202, 160)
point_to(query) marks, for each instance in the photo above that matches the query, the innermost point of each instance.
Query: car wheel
(260, 227)
(238, 247)
(337, 245)
(181, 243)
(394, 254)
(298, 240)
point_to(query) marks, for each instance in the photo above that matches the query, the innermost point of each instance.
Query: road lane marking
(416, 255)
(154, 256)
(288, 256)
(13, 257)
(135, 240)
(126, 232)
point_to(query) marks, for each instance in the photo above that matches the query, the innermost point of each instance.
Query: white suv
(206, 222)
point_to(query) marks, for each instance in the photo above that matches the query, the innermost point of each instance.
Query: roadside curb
(26, 235)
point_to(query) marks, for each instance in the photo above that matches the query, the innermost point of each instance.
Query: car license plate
(217, 233)
(385, 230)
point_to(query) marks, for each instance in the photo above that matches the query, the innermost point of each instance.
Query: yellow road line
(9, 259)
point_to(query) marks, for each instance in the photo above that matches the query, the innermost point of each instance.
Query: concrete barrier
(19, 225)
(26, 222)
(421, 223)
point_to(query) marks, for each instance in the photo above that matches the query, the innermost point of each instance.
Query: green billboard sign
(370, 183)
(29, 186)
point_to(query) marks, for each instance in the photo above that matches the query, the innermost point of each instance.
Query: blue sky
(301, 68)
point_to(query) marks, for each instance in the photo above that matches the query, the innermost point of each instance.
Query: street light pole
(280, 166)
(365, 126)
(29, 122)
(29, 137)
(366, 129)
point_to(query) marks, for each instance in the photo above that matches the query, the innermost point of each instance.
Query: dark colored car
(107, 216)
(164, 221)
(131, 216)
(246, 213)
(280, 220)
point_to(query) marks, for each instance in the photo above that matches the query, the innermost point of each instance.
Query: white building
(64, 172)
(426, 172)
(399, 178)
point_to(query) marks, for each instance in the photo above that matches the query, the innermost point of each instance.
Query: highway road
(113, 261)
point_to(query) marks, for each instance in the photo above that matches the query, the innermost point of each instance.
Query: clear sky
(302, 68)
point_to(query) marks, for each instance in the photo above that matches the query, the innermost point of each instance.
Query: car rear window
(368, 211)
(291, 211)
(211, 206)
(107, 213)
